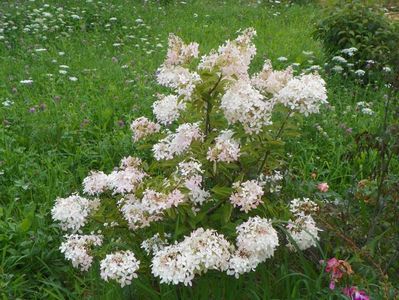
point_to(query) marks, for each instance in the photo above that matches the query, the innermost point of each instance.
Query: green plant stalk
(209, 107)
(279, 132)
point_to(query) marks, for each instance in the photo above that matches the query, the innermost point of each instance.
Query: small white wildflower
(27, 81)
(360, 72)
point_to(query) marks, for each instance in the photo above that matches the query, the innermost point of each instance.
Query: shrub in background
(360, 38)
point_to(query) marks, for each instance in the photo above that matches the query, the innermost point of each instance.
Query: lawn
(73, 76)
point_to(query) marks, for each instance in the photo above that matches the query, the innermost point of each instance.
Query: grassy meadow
(74, 74)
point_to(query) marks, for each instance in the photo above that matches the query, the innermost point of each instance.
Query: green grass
(84, 125)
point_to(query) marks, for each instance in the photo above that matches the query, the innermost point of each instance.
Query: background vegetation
(57, 129)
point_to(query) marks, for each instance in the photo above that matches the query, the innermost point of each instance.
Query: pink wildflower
(337, 268)
(323, 187)
(354, 294)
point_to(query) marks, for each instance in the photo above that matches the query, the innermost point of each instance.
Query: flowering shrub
(215, 142)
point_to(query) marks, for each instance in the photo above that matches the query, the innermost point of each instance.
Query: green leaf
(26, 224)
(222, 191)
(227, 209)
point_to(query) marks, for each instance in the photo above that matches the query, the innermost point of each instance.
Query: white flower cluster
(177, 143)
(140, 213)
(303, 206)
(269, 81)
(178, 52)
(124, 180)
(273, 181)
(304, 232)
(364, 108)
(155, 243)
(119, 266)
(172, 74)
(96, 183)
(226, 148)
(233, 58)
(203, 250)
(167, 109)
(191, 172)
(349, 51)
(76, 248)
(178, 78)
(72, 212)
(304, 94)
(143, 127)
(246, 105)
(303, 229)
(248, 195)
(256, 241)
(127, 177)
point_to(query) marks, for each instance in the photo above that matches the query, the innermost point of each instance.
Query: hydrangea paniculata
(72, 212)
(119, 266)
(248, 195)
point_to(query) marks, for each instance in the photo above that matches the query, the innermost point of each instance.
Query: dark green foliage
(363, 27)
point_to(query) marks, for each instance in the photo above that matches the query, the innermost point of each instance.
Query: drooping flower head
(337, 269)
